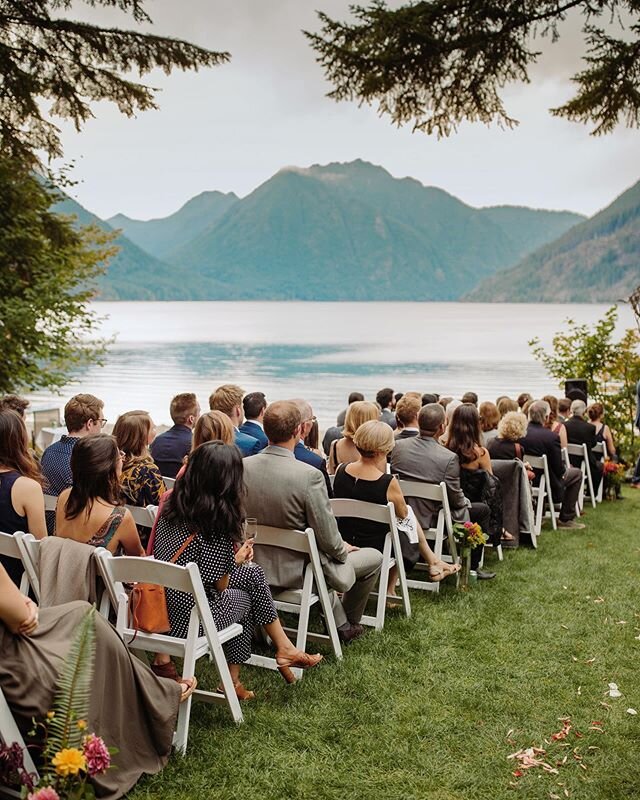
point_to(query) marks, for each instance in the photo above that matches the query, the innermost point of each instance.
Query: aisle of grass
(432, 707)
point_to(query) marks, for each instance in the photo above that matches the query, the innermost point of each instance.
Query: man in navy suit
(301, 451)
(254, 405)
(407, 410)
(169, 448)
(228, 399)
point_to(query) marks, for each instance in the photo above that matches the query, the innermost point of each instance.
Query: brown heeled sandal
(301, 661)
(241, 692)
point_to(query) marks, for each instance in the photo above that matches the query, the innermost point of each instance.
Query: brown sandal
(167, 670)
(241, 692)
(190, 684)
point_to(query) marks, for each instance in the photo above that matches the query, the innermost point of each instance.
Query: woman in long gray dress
(130, 708)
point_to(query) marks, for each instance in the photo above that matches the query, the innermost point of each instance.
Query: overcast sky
(231, 127)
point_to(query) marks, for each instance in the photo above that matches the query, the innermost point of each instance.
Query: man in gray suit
(287, 493)
(423, 458)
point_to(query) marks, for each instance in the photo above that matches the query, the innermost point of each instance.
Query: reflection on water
(321, 351)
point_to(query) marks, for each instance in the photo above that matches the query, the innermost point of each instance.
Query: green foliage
(46, 274)
(45, 55)
(437, 63)
(610, 367)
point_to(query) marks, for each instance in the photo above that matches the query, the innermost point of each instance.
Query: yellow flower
(82, 724)
(69, 761)
(51, 714)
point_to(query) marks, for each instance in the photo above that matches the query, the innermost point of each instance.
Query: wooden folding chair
(391, 555)
(542, 492)
(299, 601)
(10, 733)
(130, 569)
(436, 492)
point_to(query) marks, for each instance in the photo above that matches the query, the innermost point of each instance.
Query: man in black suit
(579, 431)
(407, 410)
(565, 484)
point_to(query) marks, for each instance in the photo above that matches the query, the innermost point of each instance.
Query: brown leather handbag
(148, 602)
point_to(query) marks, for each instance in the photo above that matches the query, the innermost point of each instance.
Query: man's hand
(351, 548)
(31, 623)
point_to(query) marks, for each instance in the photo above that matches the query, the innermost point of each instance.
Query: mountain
(596, 261)
(132, 274)
(353, 232)
(160, 236)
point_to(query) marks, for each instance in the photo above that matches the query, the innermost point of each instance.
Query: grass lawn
(433, 706)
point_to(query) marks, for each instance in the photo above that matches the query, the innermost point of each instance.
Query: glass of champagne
(250, 533)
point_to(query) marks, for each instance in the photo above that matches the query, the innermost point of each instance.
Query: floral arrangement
(468, 535)
(613, 475)
(70, 755)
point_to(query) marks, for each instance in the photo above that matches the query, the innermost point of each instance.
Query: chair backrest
(169, 482)
(145, 516)
(437, 492)
(576, 450)
(536, 462)
(29, 548)
(598, 449)
(289, 539)
(10, 549)
(50, 502)
(359, 509)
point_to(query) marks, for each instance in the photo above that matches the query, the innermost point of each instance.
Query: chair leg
(330, 621)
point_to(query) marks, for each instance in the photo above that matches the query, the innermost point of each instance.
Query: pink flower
(97, 755)
(46, 793)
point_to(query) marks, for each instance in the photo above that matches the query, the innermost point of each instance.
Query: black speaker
(576, 389)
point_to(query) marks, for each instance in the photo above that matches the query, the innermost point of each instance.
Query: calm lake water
(321, 351)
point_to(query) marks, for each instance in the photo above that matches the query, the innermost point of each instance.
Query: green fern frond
(71, 702)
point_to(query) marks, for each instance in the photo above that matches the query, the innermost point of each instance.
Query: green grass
(426, 709)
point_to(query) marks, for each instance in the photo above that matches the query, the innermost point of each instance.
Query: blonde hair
(505, 405)
(374, 437)
(226, 398)
(357, 414)
(213, 425)
(512, 426)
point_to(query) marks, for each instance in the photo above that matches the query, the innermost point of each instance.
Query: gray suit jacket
(286, 493)
(422, 458)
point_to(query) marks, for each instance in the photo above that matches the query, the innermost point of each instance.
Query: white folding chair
(10, 733)
(143, 516)
(391, 555)
(437, 493)
(299, 601)
(169, 482)
(29, 546)
(130, 569)
(581, 451)
(50, 502)
(10, 549)
(599, 450)
(542, 492)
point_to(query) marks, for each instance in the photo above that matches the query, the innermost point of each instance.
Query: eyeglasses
(122, 454)
(311, 419)
(101, 421)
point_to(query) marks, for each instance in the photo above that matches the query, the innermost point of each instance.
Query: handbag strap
(182, 548)
(518, 449)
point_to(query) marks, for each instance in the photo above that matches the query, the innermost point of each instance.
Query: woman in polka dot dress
(206, 503)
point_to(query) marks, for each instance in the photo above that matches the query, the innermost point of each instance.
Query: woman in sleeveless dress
(343, 451)
(603, 431)
(553, 422)
(91, 511)
(129, 707)
(366, 479)
(21, 497)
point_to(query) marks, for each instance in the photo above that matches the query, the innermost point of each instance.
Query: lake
(320, 351)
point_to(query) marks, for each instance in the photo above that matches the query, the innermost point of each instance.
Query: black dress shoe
(349, 632)
(485, 576)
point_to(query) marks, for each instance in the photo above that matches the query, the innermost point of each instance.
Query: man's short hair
(384, 397)
(430, 418)
(182, 407)
(428, 397)
(281, 420)
(253, 404)
(578, 408)
(355, 397)
(407, 409)
(304, 407)
(523, 398)
(226, 398)
(564, 405)
(539, 410)
(13, 402)
(80, 409)
(470, 397)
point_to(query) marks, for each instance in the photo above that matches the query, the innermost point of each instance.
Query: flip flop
(191, 684)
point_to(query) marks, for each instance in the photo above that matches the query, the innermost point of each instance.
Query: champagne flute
(250, 533)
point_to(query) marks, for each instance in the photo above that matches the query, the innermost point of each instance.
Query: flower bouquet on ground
(468, 536)
(70, 755)
(613, 475)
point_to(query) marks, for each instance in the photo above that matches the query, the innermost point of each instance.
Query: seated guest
(205, 509)
(489, 418)
(228, 399)
(427, 397)
(129, 707)
(141, 481)
(580, 431)
(301, 451)
(407, 410)
(21, 498)
(83, 416)
(564, 409)
(312, 439)
(213, 425)
(451, 407)
(287, 493)
(476, 474)
(423, 458)
(335, 431)
(511, 428)
(169, 448)
(254, 405)
(13, 402)
(523, 397)
(506, 405)
(565, 483)
(367, 479)
(354, 397)
(554, 424)
(91, 511)
(444, 401)
(387, 403)
(595, 412)
(470, 397)
(343, 451)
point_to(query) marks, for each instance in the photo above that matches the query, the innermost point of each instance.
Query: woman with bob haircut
(210, 426)
(91, 511)
(343, 451)
(21, 497)
(489, 418)
(206, 509)
(141, 481)
(366, 479)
